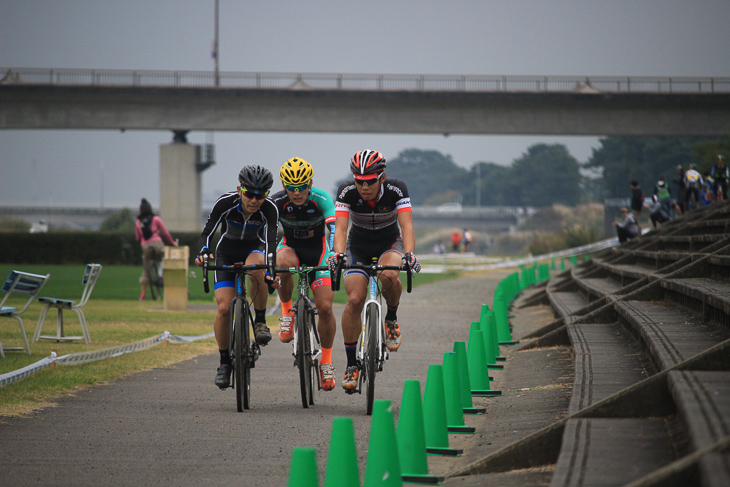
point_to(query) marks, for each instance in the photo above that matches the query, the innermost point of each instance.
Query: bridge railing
(372, 82)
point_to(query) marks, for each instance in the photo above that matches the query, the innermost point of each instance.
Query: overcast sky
(511, 37)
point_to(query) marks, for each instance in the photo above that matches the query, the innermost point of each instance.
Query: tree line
(548, 174)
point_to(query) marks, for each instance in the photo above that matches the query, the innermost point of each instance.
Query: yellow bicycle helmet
(295, 172)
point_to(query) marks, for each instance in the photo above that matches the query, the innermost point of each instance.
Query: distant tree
(428, 174)
(545, 175)
(121, 221)
(707, 151)
(495, 184)
(623, 159)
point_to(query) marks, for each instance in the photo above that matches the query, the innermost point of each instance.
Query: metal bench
(24, 284)
(91, 274)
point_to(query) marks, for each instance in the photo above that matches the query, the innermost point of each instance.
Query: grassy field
(116, 317)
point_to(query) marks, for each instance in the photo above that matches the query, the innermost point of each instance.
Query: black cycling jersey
(260, 226)
(376, 220)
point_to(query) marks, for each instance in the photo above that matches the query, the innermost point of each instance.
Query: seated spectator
(628, 229)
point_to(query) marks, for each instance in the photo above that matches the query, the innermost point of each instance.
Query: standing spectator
(149, 230)
(680, 188)
(664, 195)
(627, 229)
(692, 186)
(637, 202)
(465, 241)
(721, 175)
(707, 192)
(455, 241)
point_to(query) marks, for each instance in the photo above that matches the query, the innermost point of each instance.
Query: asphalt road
(174, 427)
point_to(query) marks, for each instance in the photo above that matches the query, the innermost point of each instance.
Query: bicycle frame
(307, 353)
(244, 351)
(374, 299)
(371, 352)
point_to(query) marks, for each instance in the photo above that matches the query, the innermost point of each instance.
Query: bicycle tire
(303, 354)
(314, 381)
(241, 369)
(371, 328)
(155, 279)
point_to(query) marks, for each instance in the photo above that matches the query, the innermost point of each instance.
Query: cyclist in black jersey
(249, 223)
(304, 213)
(379, 209)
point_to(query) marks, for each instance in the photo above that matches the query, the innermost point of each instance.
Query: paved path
(174, 427)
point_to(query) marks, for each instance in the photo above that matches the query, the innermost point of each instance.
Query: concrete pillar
(180, 187)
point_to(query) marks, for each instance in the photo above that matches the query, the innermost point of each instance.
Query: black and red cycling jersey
(373, 220)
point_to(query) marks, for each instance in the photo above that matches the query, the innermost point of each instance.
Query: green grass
(115, 281)
(115, 317)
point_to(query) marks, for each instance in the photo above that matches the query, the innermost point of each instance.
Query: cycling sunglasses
(254, 196)
(301, 188)
(368, 182)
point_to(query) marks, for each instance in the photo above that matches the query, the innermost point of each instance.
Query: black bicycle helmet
(256, 178)
(367, 162)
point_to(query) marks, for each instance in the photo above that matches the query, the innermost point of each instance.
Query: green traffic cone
(452, 393)
(411, 437)
(476, 359)
(434, 414)
(491, 346)
(342, 469)
(383, 464)
(303, 471)
(462, 367)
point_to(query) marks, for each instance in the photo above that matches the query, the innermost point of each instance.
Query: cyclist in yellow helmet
(304, 213)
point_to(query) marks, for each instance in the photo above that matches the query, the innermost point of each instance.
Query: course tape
(94, 355)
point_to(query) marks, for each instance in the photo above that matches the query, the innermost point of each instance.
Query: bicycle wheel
(371, 362)
(240, 346)
(303, 354)
(312, 361)
(155, 279)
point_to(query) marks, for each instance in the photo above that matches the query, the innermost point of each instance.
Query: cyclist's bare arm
(405, 220)
(340, 243)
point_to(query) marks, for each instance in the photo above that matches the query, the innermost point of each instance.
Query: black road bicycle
(244, 351)
(307, 349)
(371, 350)
(154, 275)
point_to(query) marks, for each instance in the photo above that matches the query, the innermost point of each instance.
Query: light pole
(215, 48)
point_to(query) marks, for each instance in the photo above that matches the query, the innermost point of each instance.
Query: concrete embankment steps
(649, 323)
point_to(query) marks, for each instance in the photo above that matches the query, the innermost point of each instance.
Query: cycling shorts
(231, 253)
(311, 255)
(363, 254)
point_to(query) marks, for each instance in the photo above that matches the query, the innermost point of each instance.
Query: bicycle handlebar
(372, 270)
(302, 268)
(237, 267)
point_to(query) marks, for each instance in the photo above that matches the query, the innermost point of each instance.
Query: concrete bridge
(367, 103)
(373, 103)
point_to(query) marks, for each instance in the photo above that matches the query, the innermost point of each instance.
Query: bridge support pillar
(180, 187)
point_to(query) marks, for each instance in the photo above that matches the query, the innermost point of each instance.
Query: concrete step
(607, 360)
(566, 303)
(670, 333)
(707, 296)
(611, 452)
(703, 404)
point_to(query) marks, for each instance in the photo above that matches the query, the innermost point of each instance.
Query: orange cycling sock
(326, 355)
(286, 308)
